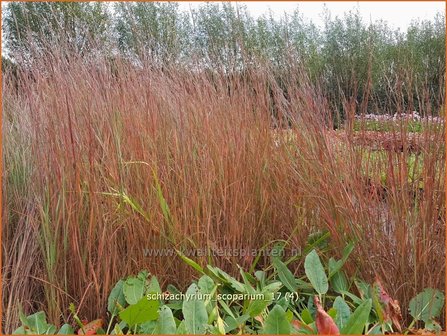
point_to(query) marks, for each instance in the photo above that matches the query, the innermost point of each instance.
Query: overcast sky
(398, 14)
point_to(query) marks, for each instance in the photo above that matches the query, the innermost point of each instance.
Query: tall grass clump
(105, 159)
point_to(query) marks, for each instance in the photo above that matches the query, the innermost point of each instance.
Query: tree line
(348, 58)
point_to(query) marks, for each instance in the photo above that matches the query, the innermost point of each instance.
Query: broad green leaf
(433, 326)
(242, 319)
(248, 286)
(358, 319)
(343, 312)
(206, 284)
(194, 312)
(315, 272)
(306, 316)
(116, 296)
(174, 304)
(38, 322)
(336, 266)
(52, 329)
(256, 307)
(172, 289)
(272, 287)
(332, 312)
(303, 285)
(166, 322)
(66, 329)
(227, 279)
(353, 297)
(133, 289)
(276, 322)
(260, 275)
(213, 273)
(236, 285)
(226, 308)
(19, 331)
(427, 305)
(148, 328)
(285, 275)
(232, 323)
(283, 302)
(250, 278)
(339, 282)
(154, 286)
(181, 329)
(143, 311)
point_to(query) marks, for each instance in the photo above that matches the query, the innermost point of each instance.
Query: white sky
(398, 14)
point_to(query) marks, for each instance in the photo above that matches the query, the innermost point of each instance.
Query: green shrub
(269, 301)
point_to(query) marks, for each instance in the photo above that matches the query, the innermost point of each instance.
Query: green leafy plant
(37, 324)
(426, 307)
(269, 301)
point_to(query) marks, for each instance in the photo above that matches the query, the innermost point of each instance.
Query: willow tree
(152, 30)
(33, 27)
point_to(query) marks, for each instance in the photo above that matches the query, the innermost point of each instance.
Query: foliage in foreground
(271, 301)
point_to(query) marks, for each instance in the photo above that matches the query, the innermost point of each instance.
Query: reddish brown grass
(85, 149)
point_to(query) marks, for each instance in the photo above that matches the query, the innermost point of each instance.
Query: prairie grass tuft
(101, 163)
